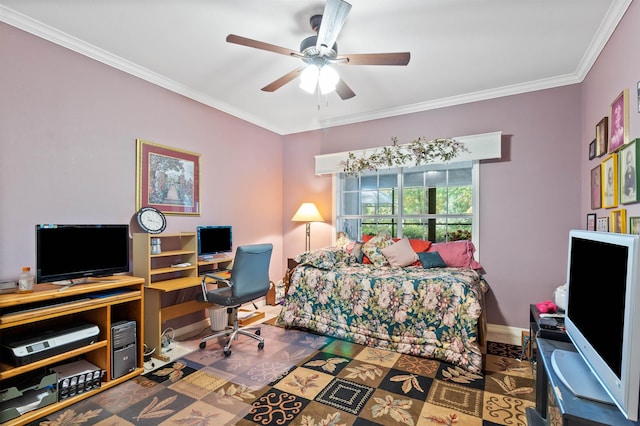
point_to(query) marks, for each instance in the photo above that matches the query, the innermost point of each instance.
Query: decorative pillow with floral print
(343, 241)
(373, 249)
(325, 258)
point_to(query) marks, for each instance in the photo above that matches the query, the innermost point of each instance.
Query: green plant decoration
(421, 151)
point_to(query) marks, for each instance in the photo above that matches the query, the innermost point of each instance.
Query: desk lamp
(308, 212)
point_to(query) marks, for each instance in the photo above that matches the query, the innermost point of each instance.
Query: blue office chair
(249, 281)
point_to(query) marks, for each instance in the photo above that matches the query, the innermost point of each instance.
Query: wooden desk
(163, 275)
(99, 302)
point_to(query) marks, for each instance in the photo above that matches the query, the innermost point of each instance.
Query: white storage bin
(218, 317)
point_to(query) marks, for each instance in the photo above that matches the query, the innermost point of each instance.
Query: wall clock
(151, 220)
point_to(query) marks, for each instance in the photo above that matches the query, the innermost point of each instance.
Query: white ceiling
(461, 50)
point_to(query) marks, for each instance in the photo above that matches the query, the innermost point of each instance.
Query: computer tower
(124, 357)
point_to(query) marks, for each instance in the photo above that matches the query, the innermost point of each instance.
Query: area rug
(306, 379)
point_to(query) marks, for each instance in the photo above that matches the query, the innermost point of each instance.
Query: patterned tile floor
(305, 379)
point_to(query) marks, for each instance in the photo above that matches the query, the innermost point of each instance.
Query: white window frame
(475, 202)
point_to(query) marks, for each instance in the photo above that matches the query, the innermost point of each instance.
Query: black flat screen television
(71, 252)
(214, 239)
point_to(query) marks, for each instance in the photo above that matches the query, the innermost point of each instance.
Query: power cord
(148, 358)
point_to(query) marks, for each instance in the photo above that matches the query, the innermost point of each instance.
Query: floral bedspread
(432, 313)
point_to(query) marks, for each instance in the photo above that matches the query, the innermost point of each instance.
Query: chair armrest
(218, 279)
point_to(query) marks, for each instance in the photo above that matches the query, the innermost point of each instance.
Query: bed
(435, 312)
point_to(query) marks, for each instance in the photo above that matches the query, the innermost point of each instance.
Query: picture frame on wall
(619, 134)
(609, 181)
(618, 221)
(591, 221)
(596, 185)
(628, 161)
(634, 225)
(167, 179)
(602, 137)
(602, 224)
(592, 150)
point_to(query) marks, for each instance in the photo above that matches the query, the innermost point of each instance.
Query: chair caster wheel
(261, 345)
(227, 352)
(257, 333)
(203, 345)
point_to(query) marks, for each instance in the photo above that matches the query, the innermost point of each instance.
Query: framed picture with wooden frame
(591, 221)
(619, 121)
(628, 163)
(596, 185)
(602, 137)
(634, 225)
(602, 224)
(167, 179)
(592, 150)
(609, 181)
(618, 221)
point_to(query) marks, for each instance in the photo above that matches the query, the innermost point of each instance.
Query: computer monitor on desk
(214, 242)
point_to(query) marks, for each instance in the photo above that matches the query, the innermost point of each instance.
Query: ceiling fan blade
(396, 58)
(243, 41)
(275, 85)
(333, 18)
(344, 91)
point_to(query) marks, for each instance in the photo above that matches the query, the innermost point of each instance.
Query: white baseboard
(505, 334)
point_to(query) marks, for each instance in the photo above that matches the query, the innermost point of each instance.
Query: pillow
(419, 245)
(431, 260)
(458, 254)
(325, 258)
(400, 254)
(357, 251)
(372, 249)
(342, 240)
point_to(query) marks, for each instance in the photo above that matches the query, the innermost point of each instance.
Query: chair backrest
(250, 272)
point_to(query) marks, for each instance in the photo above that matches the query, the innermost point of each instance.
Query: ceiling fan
(320, 51)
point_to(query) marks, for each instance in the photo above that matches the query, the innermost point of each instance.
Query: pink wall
(68, 129)
(617, 68)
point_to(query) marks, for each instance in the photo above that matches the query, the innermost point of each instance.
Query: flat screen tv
(76, 252)
(603, 320)
(214, 239)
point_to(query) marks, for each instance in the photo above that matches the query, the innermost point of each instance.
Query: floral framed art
(618, 221)
(602, 137)
(596, 193)
(167, 179)
(591, 221)
(602, 224)
(628, 161)
(619, 121)
(634, 225)
(609, 181)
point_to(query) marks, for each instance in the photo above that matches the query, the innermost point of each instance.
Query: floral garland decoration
(420, 150)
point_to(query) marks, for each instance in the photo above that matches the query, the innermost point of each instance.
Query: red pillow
(458, 254)
(420, 245)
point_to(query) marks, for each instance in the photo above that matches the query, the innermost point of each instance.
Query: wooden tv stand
(101, 303)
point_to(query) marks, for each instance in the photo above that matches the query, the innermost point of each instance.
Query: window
(434, 202)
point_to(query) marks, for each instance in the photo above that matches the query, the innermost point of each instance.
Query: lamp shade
(308, 212)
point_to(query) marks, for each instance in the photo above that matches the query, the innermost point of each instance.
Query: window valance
(482, 146)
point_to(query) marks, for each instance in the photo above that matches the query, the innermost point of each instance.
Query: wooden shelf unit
(161, 278)
(121, 298)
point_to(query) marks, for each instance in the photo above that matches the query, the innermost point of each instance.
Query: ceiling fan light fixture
(309, 78)
(328, 79)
